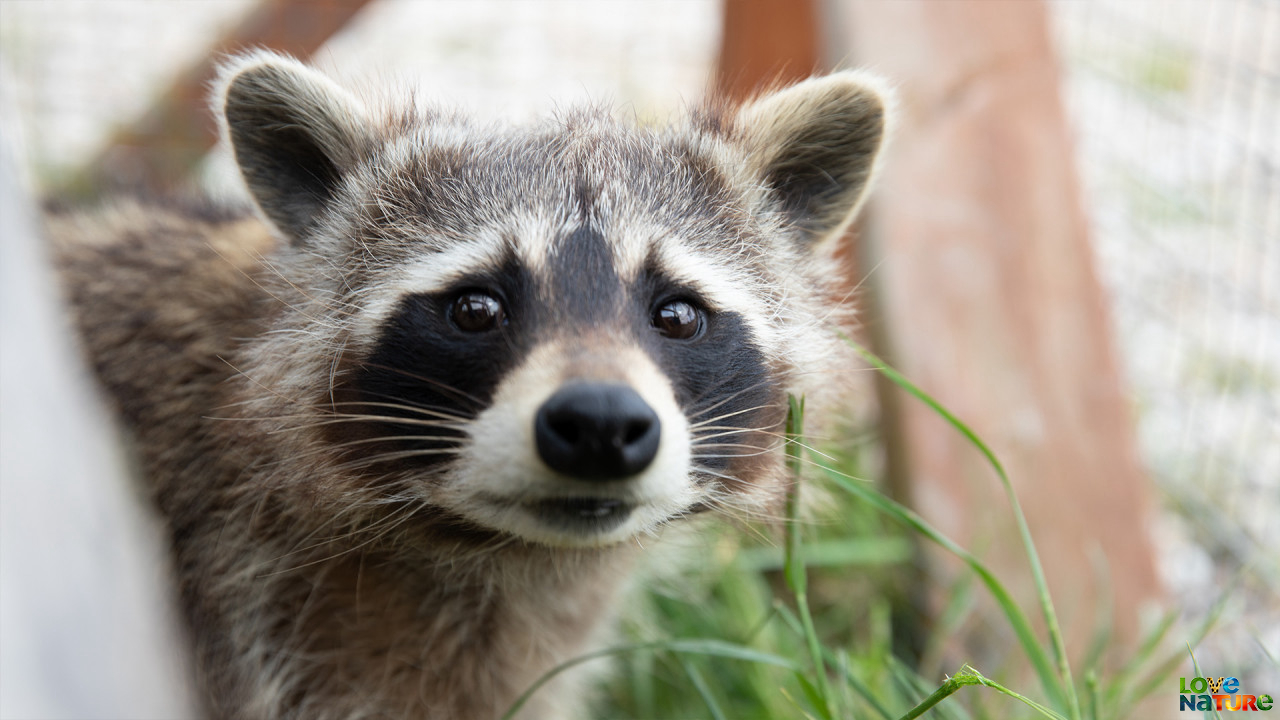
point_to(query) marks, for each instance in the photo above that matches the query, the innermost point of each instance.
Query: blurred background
(1075, 247)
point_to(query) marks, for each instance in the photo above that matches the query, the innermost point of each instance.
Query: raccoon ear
(816, 143)
(294, 133)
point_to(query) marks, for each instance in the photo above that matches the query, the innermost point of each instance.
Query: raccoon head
(572, 332)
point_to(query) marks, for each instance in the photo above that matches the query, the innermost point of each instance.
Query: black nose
(597, 431)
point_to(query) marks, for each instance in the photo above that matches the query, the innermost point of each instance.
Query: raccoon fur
(409, 423)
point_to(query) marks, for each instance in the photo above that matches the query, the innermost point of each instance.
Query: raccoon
(410, 419)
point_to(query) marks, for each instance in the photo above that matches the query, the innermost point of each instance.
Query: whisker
(711, 436)
(730, 398)
(400, 400)
(814, 463)
(357, 417)
(753, 446)
(699, 438)
(782, 437)
(337, 538)
(246, 376)
(323, 322)
(812, 449)
(750, 515)
(398, 438)
(333, 373)
(720, 456)
(718, 418)
(422, 378)
(724, 504)
(456, 443)
(345, 307)
(431, 412)
(398, 455)
(407, 514)
(331, 415)
(722, 476)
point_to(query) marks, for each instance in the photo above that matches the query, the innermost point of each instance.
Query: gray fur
(321, 587)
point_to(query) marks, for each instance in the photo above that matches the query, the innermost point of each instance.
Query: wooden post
(988, 299)
(766, 42)
(159, 150)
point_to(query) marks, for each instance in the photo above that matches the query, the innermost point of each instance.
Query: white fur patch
(431, 273)
(535, 237)
(500, 473)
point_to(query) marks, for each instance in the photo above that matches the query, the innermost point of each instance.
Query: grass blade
(1065, 685)
(845, 552)
(700, 684)
(1156, 679)
(708, 647)
(981, 680)
(1017, 619)
(1091, 685)
(1196, 665)
(815, 697)
(794, 568)
(1122, 680)
(915, 687)
(968, 676)
(853, 681)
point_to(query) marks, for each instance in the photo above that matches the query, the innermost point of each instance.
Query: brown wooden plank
(159, 150)
(988, 298)
(766, 42)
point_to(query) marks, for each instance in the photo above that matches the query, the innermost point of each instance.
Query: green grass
(801, 628)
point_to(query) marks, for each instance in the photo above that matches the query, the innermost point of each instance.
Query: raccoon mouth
(582, 515)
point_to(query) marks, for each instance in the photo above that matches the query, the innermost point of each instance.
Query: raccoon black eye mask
(409, 418)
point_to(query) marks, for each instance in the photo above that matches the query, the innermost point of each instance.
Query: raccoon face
(574, 332)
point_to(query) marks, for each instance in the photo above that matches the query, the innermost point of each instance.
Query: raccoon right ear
(816, 143)
(295, 134)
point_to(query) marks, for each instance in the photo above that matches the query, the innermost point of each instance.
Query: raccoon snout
(597, 431)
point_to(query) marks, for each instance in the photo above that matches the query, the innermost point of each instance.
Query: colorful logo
(1199, 693)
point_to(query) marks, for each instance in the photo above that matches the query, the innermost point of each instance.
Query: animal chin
(580, 519)
(585, 516)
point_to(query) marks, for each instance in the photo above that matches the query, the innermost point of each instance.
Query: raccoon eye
(475, 311)
(678, 320)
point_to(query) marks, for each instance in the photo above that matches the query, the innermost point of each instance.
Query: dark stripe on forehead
(581, 285)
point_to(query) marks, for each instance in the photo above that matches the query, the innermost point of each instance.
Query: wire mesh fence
(1175, 104)
(78, 70)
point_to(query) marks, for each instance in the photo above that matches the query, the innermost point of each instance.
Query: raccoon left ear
(295, 134)
(816, 143)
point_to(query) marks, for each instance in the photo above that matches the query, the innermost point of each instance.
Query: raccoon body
(408, 433)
